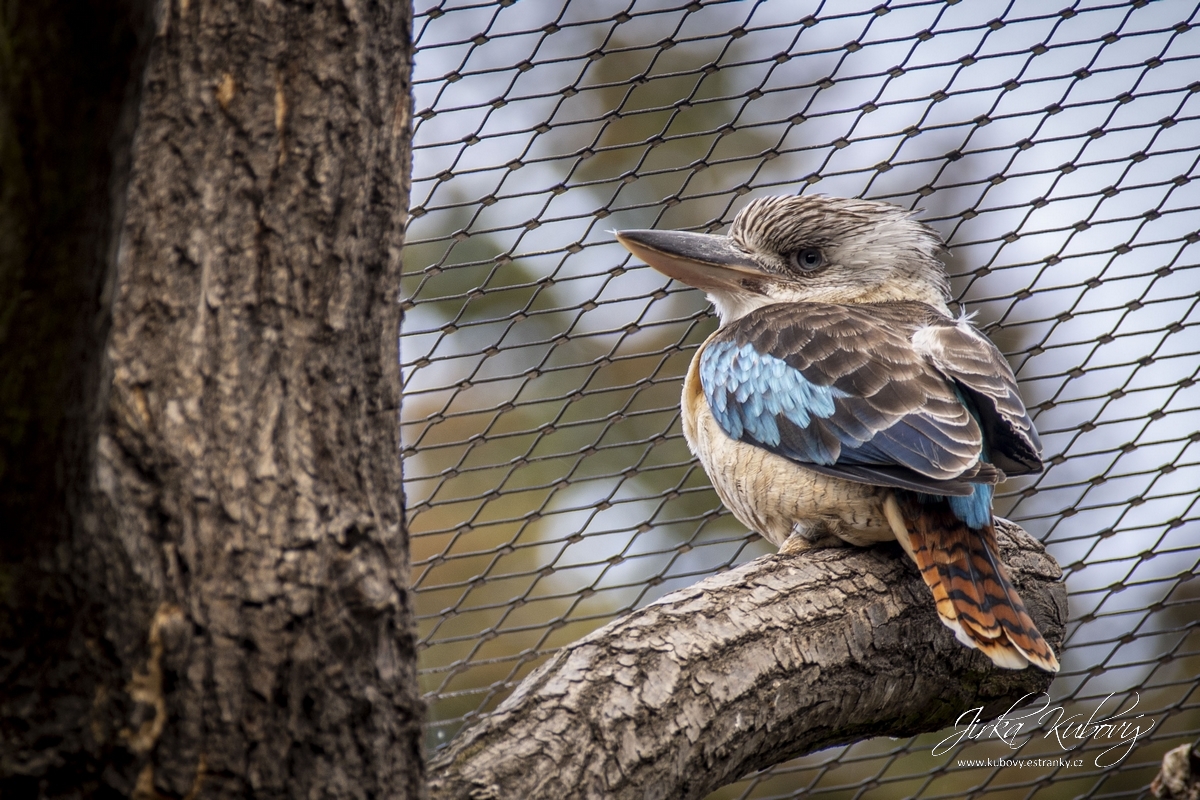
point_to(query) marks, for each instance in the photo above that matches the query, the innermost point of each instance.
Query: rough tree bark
(774, 659)
(203, 572)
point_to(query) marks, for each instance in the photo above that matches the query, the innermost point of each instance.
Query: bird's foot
(803, 540)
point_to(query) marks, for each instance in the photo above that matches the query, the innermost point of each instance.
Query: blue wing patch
(975, 509)
(750, 392)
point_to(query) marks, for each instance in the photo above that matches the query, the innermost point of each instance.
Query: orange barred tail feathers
(972, 591)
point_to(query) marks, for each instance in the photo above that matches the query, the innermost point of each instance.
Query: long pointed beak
(704, 260)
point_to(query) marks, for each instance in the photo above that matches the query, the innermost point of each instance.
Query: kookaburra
(841, 401)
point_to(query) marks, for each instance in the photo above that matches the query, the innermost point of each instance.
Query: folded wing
(890, 394)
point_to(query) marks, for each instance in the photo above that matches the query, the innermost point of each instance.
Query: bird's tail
(972, 591)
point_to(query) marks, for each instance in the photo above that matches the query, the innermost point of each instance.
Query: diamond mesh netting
(549, 487)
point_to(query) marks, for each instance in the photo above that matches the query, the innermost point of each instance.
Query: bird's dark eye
(808, 259)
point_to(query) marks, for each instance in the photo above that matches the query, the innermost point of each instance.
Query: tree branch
(774, 659)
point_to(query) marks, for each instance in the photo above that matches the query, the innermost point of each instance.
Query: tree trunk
(768, 661)
(204, 580)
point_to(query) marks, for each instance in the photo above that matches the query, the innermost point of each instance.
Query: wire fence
(549, 488)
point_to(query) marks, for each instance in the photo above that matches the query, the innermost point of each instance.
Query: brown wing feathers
(972, 591)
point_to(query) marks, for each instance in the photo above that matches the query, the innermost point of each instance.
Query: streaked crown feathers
(873, 250)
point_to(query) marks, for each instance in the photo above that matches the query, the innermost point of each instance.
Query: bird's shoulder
(833, 341)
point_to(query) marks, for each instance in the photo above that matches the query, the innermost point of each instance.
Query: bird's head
(809, 248)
